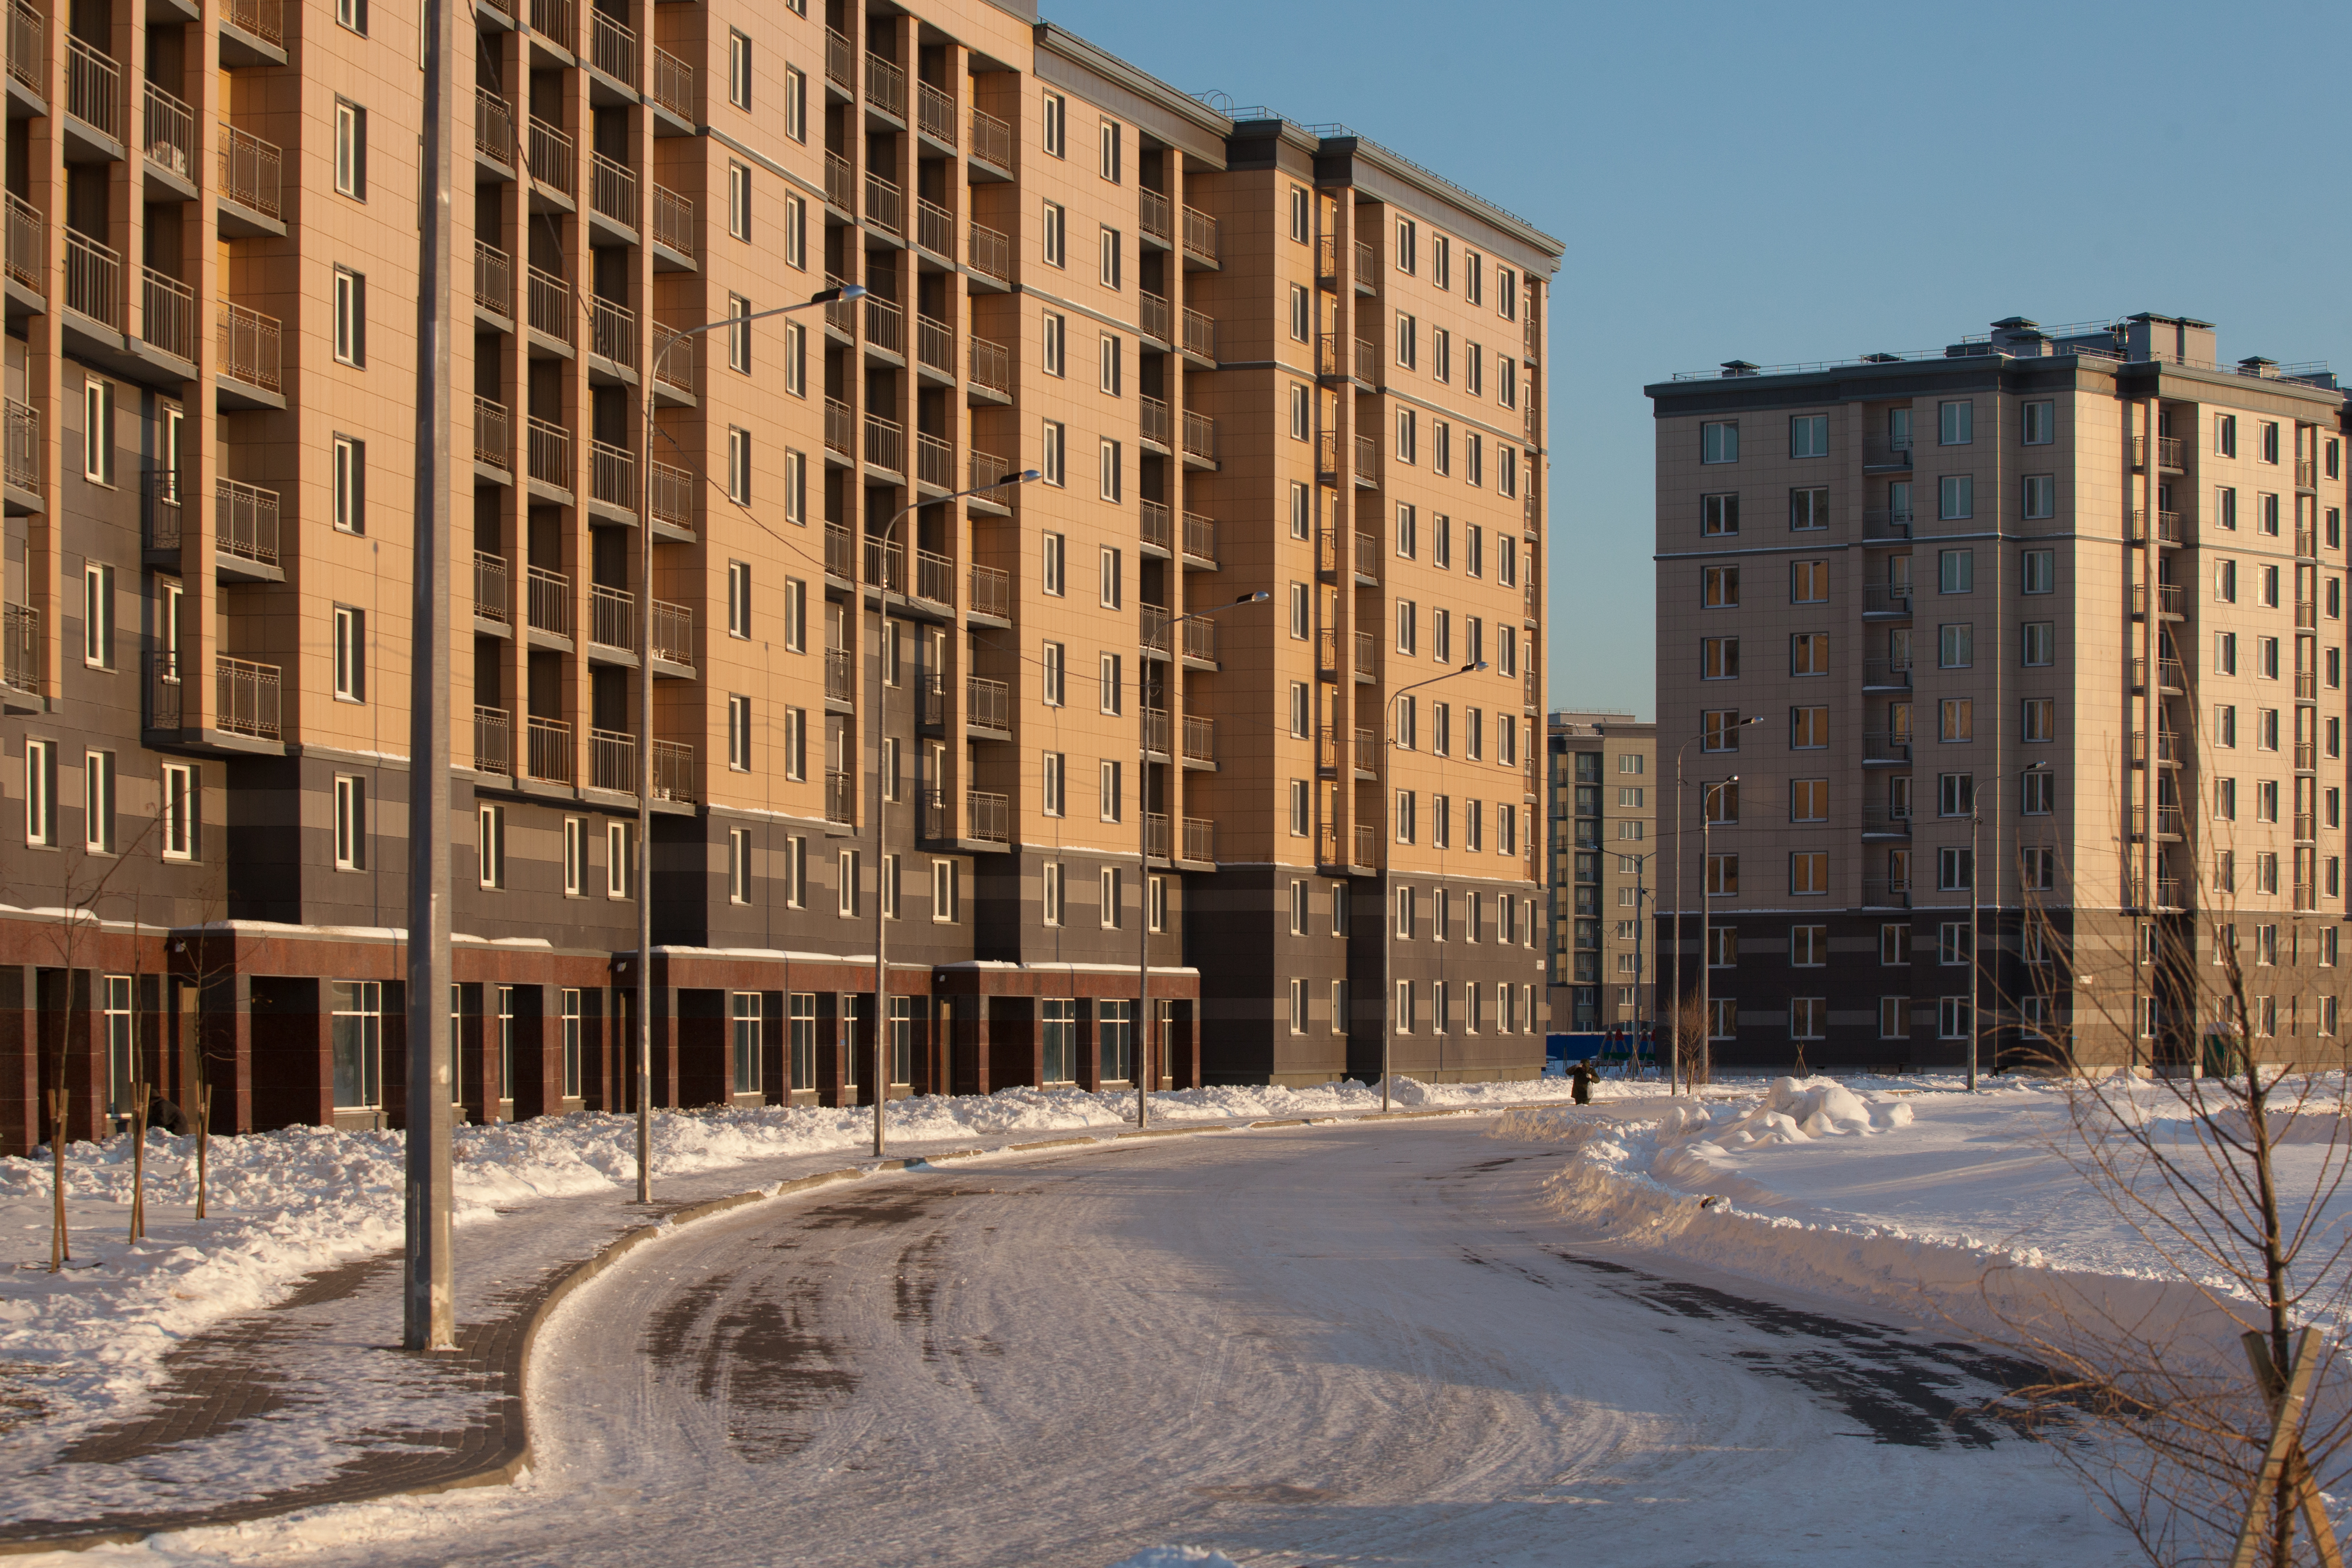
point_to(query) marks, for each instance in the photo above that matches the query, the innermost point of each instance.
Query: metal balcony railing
(991, 254)
(2170, 673)
(1883, 746)
(990, 588)
(934, 578)
(1367, 457)
(2167, 821)
(613, 47)
(1154, 215)
(840, 427)
(20, 446)
(547, 304)
(836, 798)
(935, 113)
(673, 84)
(988, 705)
(2305, 755)
(1368, 845)
(1366, 273)
(673, 358)
(840, 61)
(247, 698)
(2170, 599)
(1367, 654)
(245, 521)
(988, 816)
(1158, 525)
(986, 468)
(886, 443)
(1885, 674)
(93, 88)
(163, 509)
(2167, 526)
(1878, 599)
(549, 454)
(992, 139)
(249, 347)
(1155, 424)
(886, 325)
(1200, 838)
(935, 344)
(27, 251)
(29, 33)
(1199, 234)
(22, 648)
(2307, 686)
(613, 188)
(1201, 640)
(1368, 555)
(1326, 258)
(93, 280)
(493, 280)
(167, 314)
(1155, 316)
(840, 675)
(886, 204)
(549, 740)
(612, 332)
(1200, 537)
(1366, 757)
(669, 495)
(1886, 522)
(2303, 826)
(673, 633)
(2307, 612)
(886, 564)
(1327, 651)
(886, 86)
(555, 162)
(555, 18)
(674, 772)
(1155, 835)
(2305, 473)
(612, 617)
(493, 741)
(548, 605)
(991, 366)
(1886, 893)
(840, 182)
(1326, 452)
(934, 462)
(934, 228)
(494, 128)
(1199, 738)
(611, 475)
(2306, 543)
(1199, 334)
(170, 127)
(493, 589)
(1368, 362)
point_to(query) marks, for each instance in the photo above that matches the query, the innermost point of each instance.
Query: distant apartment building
(1605, 798)
(2049, 620)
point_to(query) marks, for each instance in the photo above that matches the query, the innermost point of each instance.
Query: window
(1809, 435)
(1408, 445)
(2038, 719)
(2039, 423)
(1107, 910)
(739, 199)
(2225, 653)
(2040, 571)
(1718, 440)
(1108, 785)
(1441, 356)
(1110, 578)
(2038, 642)
(179, 810)
(1809, 582)
(2270, 450)
(98, 431)
(1408, 533)
(2041, 496)
(1809, 510)
(1956, 496)
(1958, 719)
(2039, 792)
(1955, 424)
(1301, 214)
(1111, 689)
(1809, 873)
(1300, 711)
(350, 316)
(1050, 463)
(1110, 467)
(353, 14)
(796, 743)
(943, 892)
(1956, 647)
(575, 856)
(1407, 637)
(1719, 587)
(2269, 514)
(1808, 654)
(1955, 869)
(739, 865)
(1406, 827)
(1718, 730)
(40, 793)
(1052, 666)
(1057, 124)
(1112, 132)
(1054, 332)
(491, 844)
(1723, 875)
(350, 654)
(1809, 799)
(1302, 314)
(1956, 572)
(1718, 658)
(1407, 345)
(738, 69)
(620, 859)
(1110, 264)
(738, 465)
(1302, 513)
(1054, 799)
(2038, 867)
(1301, 807)
(796, 230)
(350, 149)
(739, 733)
(795, 358)
(1808, 728)
(98, 616)
(1719, 516)
(350, 822)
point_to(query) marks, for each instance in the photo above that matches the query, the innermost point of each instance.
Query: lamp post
(1975, 816)
(1139, 1028)
(881, 796)
(1674, 1034)
(645, 863)
(1388, 931)
(1706, 914)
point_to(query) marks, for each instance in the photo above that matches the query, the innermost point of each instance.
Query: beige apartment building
(2049, 622)
(1605, 868)
(1248, 358)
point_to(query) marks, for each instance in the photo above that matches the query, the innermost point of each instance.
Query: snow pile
(1176, 1557)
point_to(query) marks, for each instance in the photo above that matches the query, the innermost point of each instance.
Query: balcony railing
(2306, 474)
(171, 131)
(1154, 215)
(2170, 673)
(2170, 598)
(93, 280)
(1199, 234)
(934, 578)
(836, 798)
(2167, 821)
(934, 462)
(551, 759)
(555, 18)
(934, 228)
(886, 564)
(1201, 640)
(493, 590)
(611, 475)
(992, 139)
(493, 280)
(1368, 844)
(2306, 543)
(988, 705)
(1200, 838)
(1879, 599)
(1886, 893)
(555, 162)
(984, 468)
(886, 86)
(612, 617)
(1326, 452)
(28, 244)
(988, 816)
(29, 33)
(990, 255)
(494, 128)
(249, 347)
(612, 332)
(493, 742)
(22, 648)
(1199, 738)
(1368, 555)
(550, 458)
(1881, 746)
(1368, 362)
(1155, 421)
(1159, 524)
(886, 443)
(991, 591)
(167, 314)
(673, 84)
(20, 449)
(548, 607)
(1154, 632)
(935, 113)
(613, 47)
(1367, 457)
(840, 427)
(840, 62)
(547, 304)
(1201, 537)
(840, 182)
(93, 88)
(1367, 274)
(1367, 654)
(674, 772)
(1199, 334)
(673, 633)
(2167, 526)
(935, 344)
(886, 204)
(245, 521)
(247, 696)
(613, 188)
(673, 358)
(886, 325)
(2307, 612)
(840, 675)
(1155, 316)
(992, 367)
(669, 495)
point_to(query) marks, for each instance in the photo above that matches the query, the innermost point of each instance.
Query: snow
(1176, 1557)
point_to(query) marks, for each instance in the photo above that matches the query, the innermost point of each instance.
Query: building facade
(1604, 872)
(2047, 625)
(1246, 358)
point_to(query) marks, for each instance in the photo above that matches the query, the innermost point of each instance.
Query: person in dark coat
(1580, 1083)
(161, 1112)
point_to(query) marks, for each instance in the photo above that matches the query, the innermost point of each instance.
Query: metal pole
(1675, 1008)
(1706, 916)
(428, 1315)
(1975, 817)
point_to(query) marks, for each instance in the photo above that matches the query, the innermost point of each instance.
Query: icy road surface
(1298, 1346)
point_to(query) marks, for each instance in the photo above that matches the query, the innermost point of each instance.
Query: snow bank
(1176, 1557)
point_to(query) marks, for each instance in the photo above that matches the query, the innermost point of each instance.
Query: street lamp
(1975, 817)
(1388, 931)
(1706, 912)
(1674, 1035)
(881, 795)
(645, 864)
(1139, 1028)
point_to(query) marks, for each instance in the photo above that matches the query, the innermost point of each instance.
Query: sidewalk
(310, 1402)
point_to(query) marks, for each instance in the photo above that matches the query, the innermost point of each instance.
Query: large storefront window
(357, 1008)
(744, 1023)
(1115, 1031)
(1061, 1041)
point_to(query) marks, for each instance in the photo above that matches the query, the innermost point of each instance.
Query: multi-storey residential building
(2048, 624)
(1248, 359)
(1605, 871)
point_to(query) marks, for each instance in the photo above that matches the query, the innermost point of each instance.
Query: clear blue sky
(1812, 181)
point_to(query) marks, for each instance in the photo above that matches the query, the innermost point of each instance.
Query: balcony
(886, 86)
(548, 601)
(1367, 655)
(163, 510)
(245, 522)
(1879, 599)
(1199, 236)
(674, 773)
(988, 817)
(493, 742)
(167, 314)
(170, 134)
(611, 618)
(93, 281)
(1200, 739)
(1886, 893)
(673, 84)
(1367, 459)
(547, 304)
(1327, 454)
(494, 128)
(2171, 598)
(2170, 676)
(1158, 525)
(1154, 217)
(985, 468)
(840, 62)
(988, 705)
(992, 367)
(840, 675)
(2167, 526)
(1368, 362)
(1883, 746)
(613, 189)
(1367, 270)
(840, 182)
(840, 427)
(613, 475)
(990, 590)
(934, 345)
(1201, 640)
(1367, 843)
(2306, 613)
(1156, 426)
(612, 332)
(1367, 755)
(22, 648)
(2306, 543)
(990, 255)
(934, 228)
(1200, 335)
(29, 33)
(2170, 752)
(886, 204)
(493, 280)
(836, 798)
(2307, 686)
(1326, 652)
(493, 590)
(551, 751)
(27, 250)
(886, 443)
(2167, 821)
(555, 162)
(840, 553)
(247, 698)
(249, 347)
(885, 326)
(1156, 317)
(1885, 676)
(549, 456)
(20, 446)
(613, 47)
(93, 88)
(1367, 556)
(2168, 451)
(1886, 523)
(934, 578)
(934, 463)
(1201, 538)
(554, 18)
(992, 139)
(669, 497)
(935, 113)
(673, 359)
(886, 564)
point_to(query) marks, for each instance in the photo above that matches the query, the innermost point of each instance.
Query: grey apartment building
(2049, 620)
(1606, 799)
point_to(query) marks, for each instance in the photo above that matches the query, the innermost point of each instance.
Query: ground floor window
(902, 1040)
(744, 1023)
(506, 1042)
(853, 1013)
(121, 1044)
(1060, 1039)
(804, 1040)
(357, 1018)
(572, 1025)
(1115, 1033)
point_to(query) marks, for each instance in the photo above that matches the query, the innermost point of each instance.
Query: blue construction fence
(1609, 1048)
